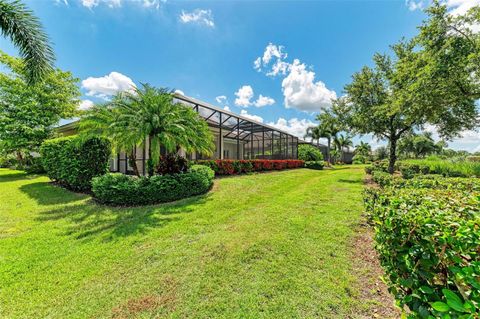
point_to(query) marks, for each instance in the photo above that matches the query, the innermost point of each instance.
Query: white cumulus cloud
(293, 126)
(245, 95)
(251, 116)
(107, 85)
(198, 16)
(302, 92)
(300, 88)
(263, 101)
(85, 105)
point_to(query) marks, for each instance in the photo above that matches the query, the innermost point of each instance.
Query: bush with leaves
(307, 152)
(315, 165)
(427, 233)
(172, 164)
(73, 161)
(123, 190)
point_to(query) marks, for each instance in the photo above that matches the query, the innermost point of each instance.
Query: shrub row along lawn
(273, 245)
(428, 237)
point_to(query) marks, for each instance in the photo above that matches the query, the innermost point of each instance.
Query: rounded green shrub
(315, 164)
(309, 153)
(123, 190)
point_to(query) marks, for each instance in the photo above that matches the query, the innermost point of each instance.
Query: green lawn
(273, 245)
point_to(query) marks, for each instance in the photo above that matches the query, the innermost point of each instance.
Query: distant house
(235, 137)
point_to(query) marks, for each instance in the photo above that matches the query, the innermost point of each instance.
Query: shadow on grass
(46, 194)
(12, 177)
(90, 220)
(350, 181)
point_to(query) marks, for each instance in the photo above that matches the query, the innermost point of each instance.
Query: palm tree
(314, 132)
(342, 142)
(149, 114)
(329, 129)
(363, 149)
(24, 29)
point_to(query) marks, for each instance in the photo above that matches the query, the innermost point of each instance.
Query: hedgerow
(123, 190)
(427, 233)
(73, 161)
(235, 167)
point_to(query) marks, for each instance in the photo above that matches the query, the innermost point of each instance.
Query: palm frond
(19, 24)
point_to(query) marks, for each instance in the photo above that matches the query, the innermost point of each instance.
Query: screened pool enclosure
(235, 137)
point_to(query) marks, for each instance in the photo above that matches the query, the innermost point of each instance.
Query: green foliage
(19, 24)
(427, 232)
(149, 114)
(315, 164)
(359, 159)
(29, 112)
(449, 167)
(409, 170)
(307, 152)
(387, 100)
(418, 145)
(172, 164)
(73, 161)
(123, 190)
(363, 149)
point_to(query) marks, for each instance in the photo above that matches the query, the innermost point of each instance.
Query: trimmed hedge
(73, 161)
(234, 167)
(307, 152)
(427, 233)
(123, 190)
(315, 164)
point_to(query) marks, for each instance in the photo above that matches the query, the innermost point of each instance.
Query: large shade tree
(430, 79)
(24, 29)
(149, 115)
(28, 112)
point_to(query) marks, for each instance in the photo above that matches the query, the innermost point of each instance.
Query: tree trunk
(393, 155)
(329, 159)
(149, 162)
(133, 162)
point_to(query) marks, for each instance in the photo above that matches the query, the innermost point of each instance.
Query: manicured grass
(273, 245)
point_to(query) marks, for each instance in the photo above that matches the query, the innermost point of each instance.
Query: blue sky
(307, 50)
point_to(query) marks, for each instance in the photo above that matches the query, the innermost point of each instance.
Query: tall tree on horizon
(24, 29)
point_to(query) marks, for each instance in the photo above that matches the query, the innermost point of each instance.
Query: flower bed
(234, 167)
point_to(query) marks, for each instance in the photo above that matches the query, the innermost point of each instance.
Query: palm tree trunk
(149, 162)
(329, 159)
(133, 162)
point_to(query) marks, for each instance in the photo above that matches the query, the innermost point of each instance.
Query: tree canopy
(28, 112)
(426, 80)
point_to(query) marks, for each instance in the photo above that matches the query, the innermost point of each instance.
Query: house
(235, 137)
